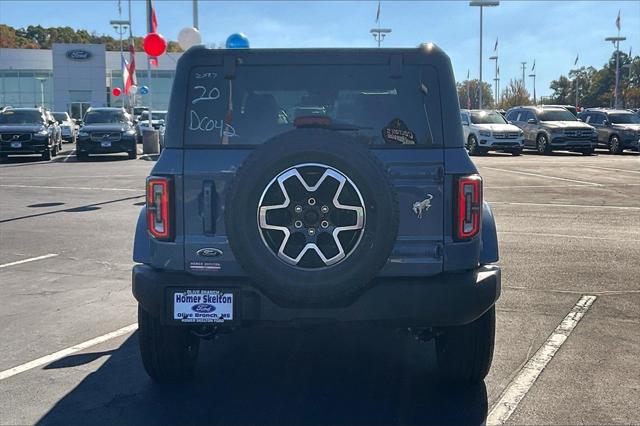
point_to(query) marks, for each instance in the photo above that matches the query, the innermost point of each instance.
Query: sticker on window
(397, 133)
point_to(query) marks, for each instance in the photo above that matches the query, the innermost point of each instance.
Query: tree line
(595, 88)
(39, 37)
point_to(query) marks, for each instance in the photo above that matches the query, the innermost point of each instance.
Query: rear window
(263, 101)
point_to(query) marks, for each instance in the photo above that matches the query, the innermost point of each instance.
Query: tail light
(159, 211)
(468, 207)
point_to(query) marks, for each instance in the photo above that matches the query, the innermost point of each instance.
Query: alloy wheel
(311, 216)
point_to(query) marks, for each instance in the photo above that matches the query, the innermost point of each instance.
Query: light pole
(195, 14)
(524, 67)
(535, 100)
(379, 34)
(121, 27)
(481, 4)
(616, 42)
(41, 80)
(495, 78)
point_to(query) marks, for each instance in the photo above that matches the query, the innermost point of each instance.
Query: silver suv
(548, 129)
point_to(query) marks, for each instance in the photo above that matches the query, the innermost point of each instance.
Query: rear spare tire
(311, 216)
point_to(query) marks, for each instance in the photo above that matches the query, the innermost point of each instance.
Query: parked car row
(549, 128)
(25, 131)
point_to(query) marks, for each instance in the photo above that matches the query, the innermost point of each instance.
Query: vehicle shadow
(271, 376)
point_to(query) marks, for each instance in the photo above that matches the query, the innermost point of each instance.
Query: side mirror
(580, 119)
(606, 123)
(79, 122)
(509, 122)
(532, 121)
(465, 123)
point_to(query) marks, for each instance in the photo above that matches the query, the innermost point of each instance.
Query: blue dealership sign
(79, 54)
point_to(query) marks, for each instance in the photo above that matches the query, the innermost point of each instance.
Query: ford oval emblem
(203, 308)
(78, 54)
(209, 252)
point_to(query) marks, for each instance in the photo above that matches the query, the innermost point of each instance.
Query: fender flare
(141, 241)
(489, 239)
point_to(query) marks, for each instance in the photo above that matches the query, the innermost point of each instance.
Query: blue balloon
(237, 41)
(144, 90)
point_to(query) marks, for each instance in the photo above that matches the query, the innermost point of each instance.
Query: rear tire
(472, 146)
(133, 154)
(46, 154)
(464, 353)
(589, 151)
(169, 353)
(615, 147)
(542, 145)
(516, 152)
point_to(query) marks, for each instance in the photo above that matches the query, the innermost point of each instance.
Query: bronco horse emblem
(420, 207)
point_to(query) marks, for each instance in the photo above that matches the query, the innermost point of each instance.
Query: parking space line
(542, 176)
(71, 187)
(582, 237)
(32, 259)
(529, 373)
(564, 205)
(66, 352)
(604, 185)
(613, 169)
(72, 154)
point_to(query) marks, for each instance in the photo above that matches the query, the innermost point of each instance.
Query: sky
(550, 32)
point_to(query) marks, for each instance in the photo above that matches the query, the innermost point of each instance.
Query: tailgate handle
(209, 205)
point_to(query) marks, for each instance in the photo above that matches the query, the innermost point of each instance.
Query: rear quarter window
(263, 101)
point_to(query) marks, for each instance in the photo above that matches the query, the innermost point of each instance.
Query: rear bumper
(442, 300)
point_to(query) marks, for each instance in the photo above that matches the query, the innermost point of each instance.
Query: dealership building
(72, 77)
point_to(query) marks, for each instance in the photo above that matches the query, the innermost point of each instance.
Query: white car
(67, 126)
(487, 130)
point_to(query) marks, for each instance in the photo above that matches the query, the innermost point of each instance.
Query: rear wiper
(323, 122)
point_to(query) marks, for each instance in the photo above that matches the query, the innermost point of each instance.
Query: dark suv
(105, 131)
(553, 128)
(315, 186)
(27, 131)
(617, 129)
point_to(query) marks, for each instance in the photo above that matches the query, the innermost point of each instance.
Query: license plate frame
(203, 306)
(16, 145)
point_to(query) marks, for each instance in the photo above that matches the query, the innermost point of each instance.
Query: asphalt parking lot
(568, 225)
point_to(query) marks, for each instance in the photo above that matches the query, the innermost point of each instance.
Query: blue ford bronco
(312, 186)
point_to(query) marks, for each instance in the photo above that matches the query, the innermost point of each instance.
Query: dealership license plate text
(203, 306)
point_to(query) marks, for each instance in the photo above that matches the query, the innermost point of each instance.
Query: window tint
(556, 115)
(262, 101)
(487, 117)
(624, 118)
(104, 116)
(597, 119)
(512, 116)
(12, 116)
(61, 116)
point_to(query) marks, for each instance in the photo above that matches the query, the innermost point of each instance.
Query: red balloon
(116, 91)
(154, 44)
